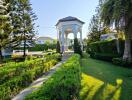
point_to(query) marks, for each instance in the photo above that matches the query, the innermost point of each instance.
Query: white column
(81, 40)
(63, 41)
(74, 29)
(66, 38)
(75, 34)
(59, 36)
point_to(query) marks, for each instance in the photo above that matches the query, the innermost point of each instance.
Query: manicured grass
(105, 81)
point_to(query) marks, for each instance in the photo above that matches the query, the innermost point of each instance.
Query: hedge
(16, 77)
(39, 47)
(106, 50)
(121, 62)
(63, 85)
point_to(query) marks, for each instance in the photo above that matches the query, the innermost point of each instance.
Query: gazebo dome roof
(69, 18)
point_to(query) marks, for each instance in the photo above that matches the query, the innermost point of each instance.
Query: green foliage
(95, 27)
(121, 62)
(63, 85)
(23, 18)
(40, 47)
(115, 10)
(58, 47)
(94, 31)
(100, 77)
(105, 50)
(5, 25)
(16, 23)
(118, 12)
(104, 47)
(16, 76)
(77, 47)
(54, 56)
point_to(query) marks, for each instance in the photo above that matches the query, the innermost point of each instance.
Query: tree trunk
(128, 38)
(24, 48)
(118, 46)
(1, 57)
(127, 51)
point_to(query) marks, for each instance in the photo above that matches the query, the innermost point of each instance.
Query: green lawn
(105, 81)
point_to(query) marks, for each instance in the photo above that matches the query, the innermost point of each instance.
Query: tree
(118, 12)
(5, 25)
(85, 41)
(77, 47)
(27, 18)
(95, 27)
(58, 47)
(16, 21)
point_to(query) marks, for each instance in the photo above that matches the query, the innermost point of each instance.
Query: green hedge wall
(106, 50)
(63, 85)
(16, 76)
(40, 47)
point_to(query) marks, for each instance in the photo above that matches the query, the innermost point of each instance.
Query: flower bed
(63, 85)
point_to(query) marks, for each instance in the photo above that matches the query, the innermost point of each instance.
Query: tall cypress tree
(77, 47)
(58, 47)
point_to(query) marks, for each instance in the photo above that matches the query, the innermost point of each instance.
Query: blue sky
(50, 11)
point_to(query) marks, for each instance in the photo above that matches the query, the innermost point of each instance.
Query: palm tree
(118, 12)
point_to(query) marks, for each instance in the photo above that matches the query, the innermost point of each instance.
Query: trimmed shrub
(63, 85)
(53, 56)
(16, 76)
(106, 50)
(105, 57)
(121, 62)
(39, 47)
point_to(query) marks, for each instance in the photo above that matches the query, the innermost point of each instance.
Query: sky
(50, 11)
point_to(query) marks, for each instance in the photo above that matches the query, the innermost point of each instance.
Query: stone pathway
(36, 84)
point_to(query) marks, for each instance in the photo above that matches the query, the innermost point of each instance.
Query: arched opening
(70, 41)
(78, 35)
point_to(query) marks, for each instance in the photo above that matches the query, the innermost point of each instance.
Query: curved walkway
(36, 84)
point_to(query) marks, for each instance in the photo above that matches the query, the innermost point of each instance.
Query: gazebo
(68, 25)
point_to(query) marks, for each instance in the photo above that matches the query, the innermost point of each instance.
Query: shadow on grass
(83, 97)
(104, 81)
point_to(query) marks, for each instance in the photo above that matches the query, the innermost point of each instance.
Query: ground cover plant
(16, 76)
(63, 85)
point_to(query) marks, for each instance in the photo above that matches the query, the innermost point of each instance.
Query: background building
(42, 40)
